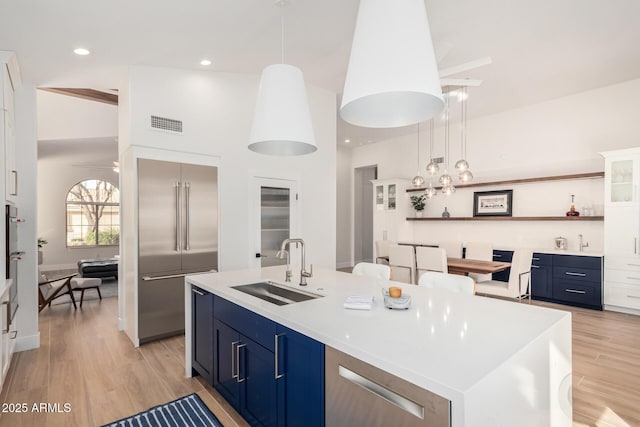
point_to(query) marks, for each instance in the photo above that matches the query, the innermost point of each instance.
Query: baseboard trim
(27, 343)
(344, 264)
(625, 310)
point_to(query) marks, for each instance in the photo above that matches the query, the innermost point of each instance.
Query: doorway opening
(363, 213)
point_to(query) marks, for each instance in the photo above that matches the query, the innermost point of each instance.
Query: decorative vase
(39, 257)
(445, 214)
(419, 214)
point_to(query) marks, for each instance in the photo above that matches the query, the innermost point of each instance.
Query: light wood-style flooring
(84, 360)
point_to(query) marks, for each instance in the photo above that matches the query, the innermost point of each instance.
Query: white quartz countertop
(445, 342)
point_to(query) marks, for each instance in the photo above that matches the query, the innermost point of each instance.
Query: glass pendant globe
(430, 192)
(462, 165)
(433, 168)
(466, 176)
(445, 179)
(418, 181)
(448, 190)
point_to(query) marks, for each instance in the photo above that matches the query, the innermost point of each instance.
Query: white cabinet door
(11, 172)
(622, 175)
(622, 232)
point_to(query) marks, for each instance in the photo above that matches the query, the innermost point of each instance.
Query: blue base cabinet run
(272, 375)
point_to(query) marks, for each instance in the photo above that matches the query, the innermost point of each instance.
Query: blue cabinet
(502, 256)
(577, 280)
(542, 276)
(272, 375)
(202, 342)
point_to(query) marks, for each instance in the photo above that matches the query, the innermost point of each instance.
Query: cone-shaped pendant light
(392, 79)
(281, 121)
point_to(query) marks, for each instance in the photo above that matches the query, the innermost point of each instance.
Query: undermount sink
(275, 294)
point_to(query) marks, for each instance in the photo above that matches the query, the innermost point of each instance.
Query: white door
(274, 208)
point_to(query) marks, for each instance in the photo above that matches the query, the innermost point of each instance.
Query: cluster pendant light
(462, 165)
(392, 79)
(432, 167)
(282, 122)
(418, 180)
(445, 179)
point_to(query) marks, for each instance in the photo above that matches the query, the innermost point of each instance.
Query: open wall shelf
(511, 218)
(524, 181)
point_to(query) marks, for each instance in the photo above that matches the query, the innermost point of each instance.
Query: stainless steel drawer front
(359, 394)
(383, 392)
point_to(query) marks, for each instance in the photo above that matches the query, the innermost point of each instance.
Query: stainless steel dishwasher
(358, 394)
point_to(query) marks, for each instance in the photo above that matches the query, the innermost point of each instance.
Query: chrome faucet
(582, 246)
(303, 271)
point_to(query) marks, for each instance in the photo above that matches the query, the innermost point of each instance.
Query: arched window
(93, 214)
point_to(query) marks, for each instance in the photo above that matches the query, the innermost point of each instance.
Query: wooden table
(464, 266)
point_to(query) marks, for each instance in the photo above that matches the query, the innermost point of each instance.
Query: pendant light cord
(418, 148)
(446, 132)
(464, 121)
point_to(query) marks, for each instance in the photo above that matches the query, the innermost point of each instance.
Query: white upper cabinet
(622, 176)
(10, 78)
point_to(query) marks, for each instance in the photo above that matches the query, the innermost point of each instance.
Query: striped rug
(186, 411)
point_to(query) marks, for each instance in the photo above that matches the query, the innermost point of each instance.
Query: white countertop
(446, 342)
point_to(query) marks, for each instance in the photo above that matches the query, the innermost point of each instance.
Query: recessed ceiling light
(205, 62)
(81, 51)
(346, 141)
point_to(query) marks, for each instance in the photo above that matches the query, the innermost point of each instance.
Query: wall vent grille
(163, 123)
(438, 160)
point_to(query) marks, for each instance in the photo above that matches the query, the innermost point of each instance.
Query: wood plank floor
(85, 361)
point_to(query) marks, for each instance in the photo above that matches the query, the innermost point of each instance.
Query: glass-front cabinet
(622, 175)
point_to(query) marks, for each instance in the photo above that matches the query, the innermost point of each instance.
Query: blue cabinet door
(542, 276)
(502, 256)
(225, 369)
(259, 395)
(301, 364)
(202, 333)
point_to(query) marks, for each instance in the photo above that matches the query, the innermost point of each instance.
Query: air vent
(438, 160)
(163, 123)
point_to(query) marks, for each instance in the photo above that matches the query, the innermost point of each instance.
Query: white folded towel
(359, 302)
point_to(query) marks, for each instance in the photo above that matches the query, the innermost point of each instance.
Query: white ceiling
(541, 49)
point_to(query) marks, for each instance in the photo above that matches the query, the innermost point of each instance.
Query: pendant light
(418, 180)
(462, 165)
(445, 179)
(392, 79)
(282, 122)
(432, 167)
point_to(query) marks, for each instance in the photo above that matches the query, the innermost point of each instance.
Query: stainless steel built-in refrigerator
(177, 235)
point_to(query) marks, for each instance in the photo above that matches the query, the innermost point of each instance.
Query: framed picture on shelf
(493, 203)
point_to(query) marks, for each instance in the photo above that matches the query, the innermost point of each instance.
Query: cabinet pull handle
(195, 291)
(277, 370)
(571, 273)
(535, 259)
(634, 265)
(8, 317)
(497, 256)
(575, 291)
(535, 266)
(633, 296)
(240, 380)
(234, 374)
(635, 245)
(15, 183)
(633, 278)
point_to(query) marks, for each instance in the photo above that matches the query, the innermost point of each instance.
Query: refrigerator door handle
(187, 186)
(178, 217)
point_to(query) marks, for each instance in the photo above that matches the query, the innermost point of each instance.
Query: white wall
(217, 110)
(558, 137)
(67, 117)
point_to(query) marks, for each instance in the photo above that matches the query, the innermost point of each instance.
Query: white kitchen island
(499, 363)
